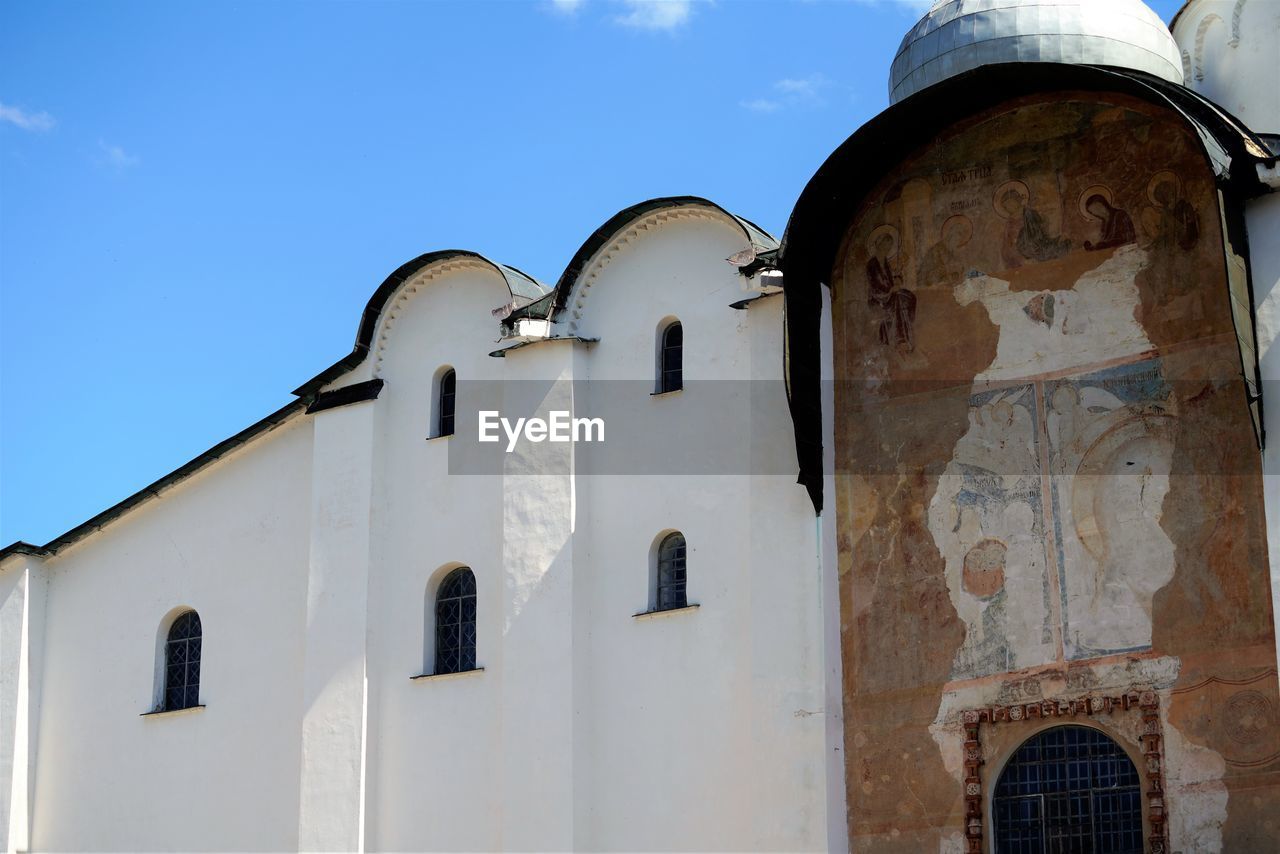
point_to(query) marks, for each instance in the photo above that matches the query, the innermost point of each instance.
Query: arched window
(456, 622)
(670, 576)
(182, 663)
(671, 358)
(446, 389)
(1069, 788)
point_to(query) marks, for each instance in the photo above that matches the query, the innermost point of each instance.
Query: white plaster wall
(1263, 223)
(540, 625)
(232, 543)
(23, 587)
(310, 554)
(335, 687)
(1229, 48)
(703, 733)
(434, 758)
(588, 728)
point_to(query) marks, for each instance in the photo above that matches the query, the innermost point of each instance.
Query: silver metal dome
(958, 35)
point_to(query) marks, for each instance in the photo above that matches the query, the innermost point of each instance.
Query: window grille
(671, 573)
(1068, 789)
(456, 623)
(671, 370)
(182, 663)
(448, 389)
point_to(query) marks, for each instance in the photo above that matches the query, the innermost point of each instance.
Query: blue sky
(197, 200)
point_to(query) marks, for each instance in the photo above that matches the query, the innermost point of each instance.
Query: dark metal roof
(831, 198)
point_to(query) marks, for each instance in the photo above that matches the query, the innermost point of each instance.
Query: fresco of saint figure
(1172, 226)
(942, 264)
(893, 303)
(1171, 221)
(1026, 234)
(1117, 227)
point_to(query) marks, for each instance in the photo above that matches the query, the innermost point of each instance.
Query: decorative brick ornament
(1147, 703)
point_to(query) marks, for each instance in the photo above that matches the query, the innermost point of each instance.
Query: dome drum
(960, 35)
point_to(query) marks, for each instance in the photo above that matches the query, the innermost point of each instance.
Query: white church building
(314, 546)
(359, 625)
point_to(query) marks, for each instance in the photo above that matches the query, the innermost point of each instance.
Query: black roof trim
(544, 309)
(210, 456)
(832, 196)
(767, 260)
(744, 304)
(19, 547)
(523, 287)
(502, 352)
(347, 395)
(540, 309)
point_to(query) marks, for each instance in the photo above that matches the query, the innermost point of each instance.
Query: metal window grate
(456, 623)
(672, 370)
(448, 391)
(1068, 789)
(182, 663)
(671, 573)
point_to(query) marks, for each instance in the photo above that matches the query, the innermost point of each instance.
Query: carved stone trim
(397, 301)
(1201, 31)
(1147, 703)
(591, 272)
(1235, 23)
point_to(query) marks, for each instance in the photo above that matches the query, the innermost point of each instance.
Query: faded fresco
(1048, 482)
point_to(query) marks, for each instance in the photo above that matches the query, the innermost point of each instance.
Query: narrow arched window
(182, 663)
(671, 358)
(456, 622)
(670, 588)
(1069, 788)
(444, 402)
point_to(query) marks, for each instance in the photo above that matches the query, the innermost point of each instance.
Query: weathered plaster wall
(1048, 484)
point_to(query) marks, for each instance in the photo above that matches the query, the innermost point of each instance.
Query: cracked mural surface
(1047, 477)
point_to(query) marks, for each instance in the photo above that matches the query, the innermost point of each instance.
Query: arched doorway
(1068, 789)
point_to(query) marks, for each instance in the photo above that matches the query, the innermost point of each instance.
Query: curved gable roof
(523, 288)
(550, 304)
